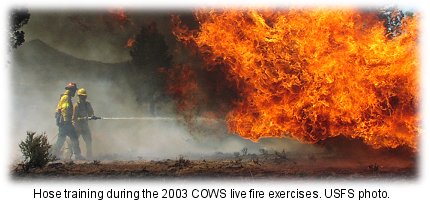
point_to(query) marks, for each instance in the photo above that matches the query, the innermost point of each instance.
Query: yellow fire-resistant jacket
(65, 106)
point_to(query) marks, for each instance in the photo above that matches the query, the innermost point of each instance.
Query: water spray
(141, 118)
(127, 118)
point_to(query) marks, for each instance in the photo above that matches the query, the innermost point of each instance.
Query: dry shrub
(35, 149)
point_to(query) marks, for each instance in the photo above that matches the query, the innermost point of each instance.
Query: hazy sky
(93, 35)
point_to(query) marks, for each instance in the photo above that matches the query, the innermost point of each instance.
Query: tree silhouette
(18, 18)
(149, 55)
(150, 49)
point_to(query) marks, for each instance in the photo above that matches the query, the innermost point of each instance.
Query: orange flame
(183, 86)
(130, 43)
(120, 16)
(314, 74)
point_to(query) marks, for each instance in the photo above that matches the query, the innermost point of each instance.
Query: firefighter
(82, 111)
(64, 122)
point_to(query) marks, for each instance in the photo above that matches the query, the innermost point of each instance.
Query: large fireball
(314, 74)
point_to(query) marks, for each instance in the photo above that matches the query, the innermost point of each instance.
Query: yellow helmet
(82, 92)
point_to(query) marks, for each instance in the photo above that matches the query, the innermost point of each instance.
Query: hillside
(38, 58)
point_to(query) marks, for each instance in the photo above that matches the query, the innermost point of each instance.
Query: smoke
(93, 35)
(70, 48)
(37, 84)
(40, 71)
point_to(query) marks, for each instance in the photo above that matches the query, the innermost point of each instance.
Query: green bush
(35, 149)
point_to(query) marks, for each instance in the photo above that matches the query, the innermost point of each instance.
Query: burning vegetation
(130, 43)
(313, 74)
(120, 17)
(326, 76)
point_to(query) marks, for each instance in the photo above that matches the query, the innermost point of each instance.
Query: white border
(404, 194)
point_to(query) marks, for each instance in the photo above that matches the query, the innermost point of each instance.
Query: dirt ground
(344, 159)
(276, 166)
